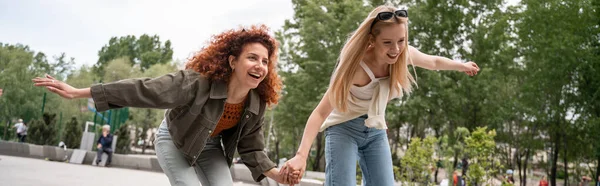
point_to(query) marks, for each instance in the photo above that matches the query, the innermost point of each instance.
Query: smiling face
(251, 66)
(389, 42)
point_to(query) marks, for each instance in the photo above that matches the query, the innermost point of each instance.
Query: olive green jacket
(194, 106)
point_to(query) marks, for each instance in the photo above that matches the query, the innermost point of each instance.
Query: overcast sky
(81, 28)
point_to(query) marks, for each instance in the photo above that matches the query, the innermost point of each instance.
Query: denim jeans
(211, 168)
(350, 141)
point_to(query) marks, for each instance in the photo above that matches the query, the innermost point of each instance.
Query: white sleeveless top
(370, 99)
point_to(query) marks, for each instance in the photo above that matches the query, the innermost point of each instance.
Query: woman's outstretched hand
(58, 87)
(470, 68)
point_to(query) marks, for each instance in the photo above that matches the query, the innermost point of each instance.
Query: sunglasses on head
(382, 16)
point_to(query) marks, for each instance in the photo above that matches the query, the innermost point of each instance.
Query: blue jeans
(211, 168)
(350, 141)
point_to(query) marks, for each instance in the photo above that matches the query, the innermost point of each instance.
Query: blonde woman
(372, 69)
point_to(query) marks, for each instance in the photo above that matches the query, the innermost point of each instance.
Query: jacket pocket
(199, 142)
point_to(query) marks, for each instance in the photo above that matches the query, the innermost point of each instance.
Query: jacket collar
(218, 90)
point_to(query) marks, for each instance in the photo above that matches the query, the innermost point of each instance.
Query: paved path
(17, 171)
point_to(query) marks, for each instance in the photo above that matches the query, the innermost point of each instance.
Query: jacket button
(209, 131)
(194, 157)
(247, 116)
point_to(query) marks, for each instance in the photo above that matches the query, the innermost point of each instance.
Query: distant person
(105, 145)
(0, 92)
(509, 176)
(454, 179)
(21, 130)
(585, 181)
(544, 182)
(465, 165)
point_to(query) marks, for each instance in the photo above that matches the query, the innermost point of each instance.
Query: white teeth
(255, 75)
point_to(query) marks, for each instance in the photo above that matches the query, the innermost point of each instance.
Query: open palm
(58, 87)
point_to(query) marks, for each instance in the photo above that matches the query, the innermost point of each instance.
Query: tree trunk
(528, 152)
(566, 166)
(6, 129)
(598, 170)
(319, 154)
(413, 131)
(145, 127)
(395, 140)
(144, 135)
(436, 175)
(455, 161)
(524, 179)
(516, 158)
(554, 161)
(277, 150)
(437, 168)
(267, 146)
(511, 156)
(519, 164)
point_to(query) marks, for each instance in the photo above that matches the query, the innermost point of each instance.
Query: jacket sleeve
(251, 150)
(164, 92)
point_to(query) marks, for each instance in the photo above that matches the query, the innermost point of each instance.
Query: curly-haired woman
(220, 98)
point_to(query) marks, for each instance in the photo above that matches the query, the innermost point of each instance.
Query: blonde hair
(352, 54)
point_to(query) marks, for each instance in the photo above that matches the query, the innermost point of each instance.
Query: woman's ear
(371, 40)
(231, 62)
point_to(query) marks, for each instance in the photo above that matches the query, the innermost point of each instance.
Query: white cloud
(81, 28)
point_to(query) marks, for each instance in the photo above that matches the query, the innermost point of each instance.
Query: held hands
(470, 68)
(56, 86)
(294, 169)
(99, 146)
(276, 175)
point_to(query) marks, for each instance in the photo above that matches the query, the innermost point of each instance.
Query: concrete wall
(53, 153)
(239, 171)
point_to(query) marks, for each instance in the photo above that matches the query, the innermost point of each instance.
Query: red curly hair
(212, 60)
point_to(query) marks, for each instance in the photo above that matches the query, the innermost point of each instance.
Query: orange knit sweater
(231, 116)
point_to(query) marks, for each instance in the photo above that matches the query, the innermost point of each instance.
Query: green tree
(42, 131)
(450, 150)
(73, 133)
(555, 44)
(417, 162)
(480, 146)
(18, 65)
(142, 52)
(119, 69)
(124, 142)
(17, 98)
(144, 118)
(445, 101)
(588, 84)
